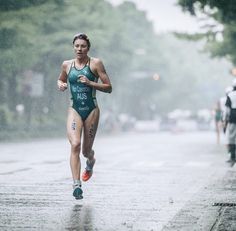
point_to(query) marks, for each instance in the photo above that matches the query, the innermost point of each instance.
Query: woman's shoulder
(66, 65)
(95, 60)
(67, 62)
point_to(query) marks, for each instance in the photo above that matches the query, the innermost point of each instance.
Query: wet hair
(82, 36)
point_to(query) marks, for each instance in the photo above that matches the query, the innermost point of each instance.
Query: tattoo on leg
(73, 125)
(91, 131)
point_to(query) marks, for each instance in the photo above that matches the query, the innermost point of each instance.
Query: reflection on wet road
(80, 218)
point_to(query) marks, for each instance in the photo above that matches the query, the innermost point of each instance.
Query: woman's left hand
(84, 79)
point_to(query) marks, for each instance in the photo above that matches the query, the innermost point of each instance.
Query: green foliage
(7, 38)
(8, 5)
(223, 12)
(5, 116)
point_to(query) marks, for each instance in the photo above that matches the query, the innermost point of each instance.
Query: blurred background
(169, 62)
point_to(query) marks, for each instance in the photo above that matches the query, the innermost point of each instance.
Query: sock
(77, 182)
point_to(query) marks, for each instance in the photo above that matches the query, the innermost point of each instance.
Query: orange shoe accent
(88, 172)
(87, 175)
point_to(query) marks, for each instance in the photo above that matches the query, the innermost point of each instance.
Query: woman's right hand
(61, 85)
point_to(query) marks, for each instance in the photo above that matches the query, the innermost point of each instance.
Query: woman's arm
(62, 79)
(98, 68)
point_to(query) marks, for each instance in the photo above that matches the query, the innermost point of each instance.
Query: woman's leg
(217, 124)
(74, 131)
(90, 129)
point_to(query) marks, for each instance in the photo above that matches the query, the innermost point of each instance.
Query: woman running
(82, 74)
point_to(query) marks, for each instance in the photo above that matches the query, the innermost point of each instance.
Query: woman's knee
(75, 146)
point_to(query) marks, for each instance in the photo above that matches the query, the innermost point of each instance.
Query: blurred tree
(221, 33)
(8, 5)
(222, 11)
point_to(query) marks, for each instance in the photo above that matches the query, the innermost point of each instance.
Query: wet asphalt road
(151, 181)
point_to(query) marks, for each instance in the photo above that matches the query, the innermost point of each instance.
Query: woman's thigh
(90, 129)
(74, 126)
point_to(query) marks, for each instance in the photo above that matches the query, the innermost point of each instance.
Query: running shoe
(78, 192)
(88, 172)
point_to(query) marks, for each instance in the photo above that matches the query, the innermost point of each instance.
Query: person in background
(84, 75)
(218, 121)
(220, 111)
(230, 122)
(223, 101)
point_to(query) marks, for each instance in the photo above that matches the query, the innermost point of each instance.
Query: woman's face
(81, 48)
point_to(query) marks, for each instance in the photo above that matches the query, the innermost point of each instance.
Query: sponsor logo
(84, 108)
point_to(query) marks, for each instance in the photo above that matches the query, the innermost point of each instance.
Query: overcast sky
(166, 16)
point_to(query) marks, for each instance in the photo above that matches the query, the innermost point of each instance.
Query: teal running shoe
(78, 192)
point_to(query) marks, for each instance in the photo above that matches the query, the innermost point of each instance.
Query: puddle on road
(49, 162)
(15, 171)
(9, 162)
